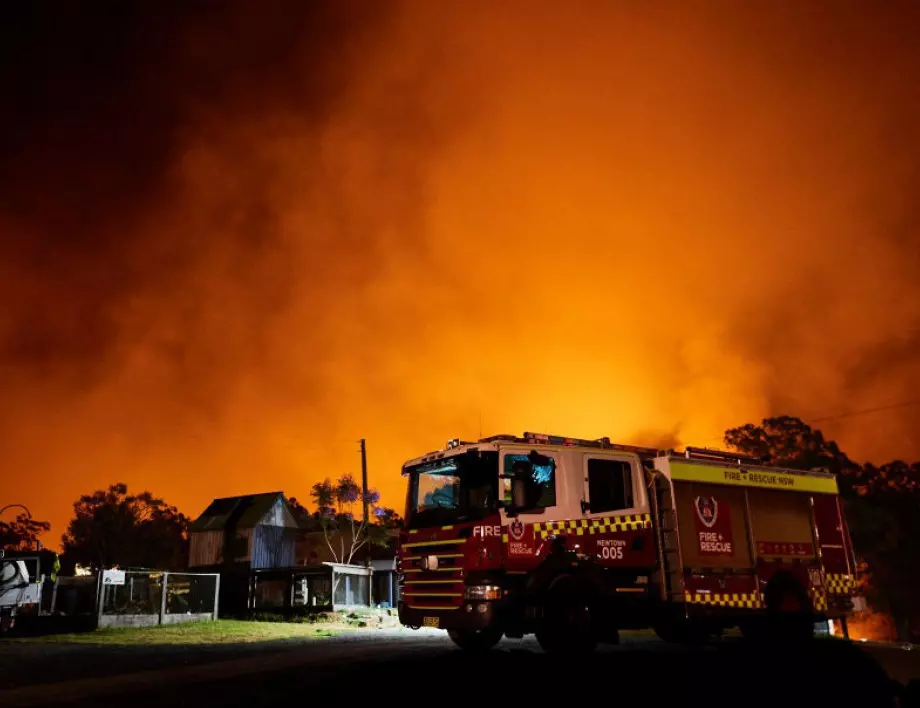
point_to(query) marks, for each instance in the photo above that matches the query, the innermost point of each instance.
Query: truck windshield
(453, 489)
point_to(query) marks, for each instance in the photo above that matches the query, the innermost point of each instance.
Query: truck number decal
(611, 548)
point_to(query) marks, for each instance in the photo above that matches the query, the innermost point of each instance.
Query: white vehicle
(16, 590)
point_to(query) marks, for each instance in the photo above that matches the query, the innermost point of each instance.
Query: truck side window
(543, 477)
(609, 485)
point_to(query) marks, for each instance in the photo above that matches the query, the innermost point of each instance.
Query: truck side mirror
(519, 493)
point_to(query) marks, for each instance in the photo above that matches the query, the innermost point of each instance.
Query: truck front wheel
(567, 626)
(475, 640)
(680, 631)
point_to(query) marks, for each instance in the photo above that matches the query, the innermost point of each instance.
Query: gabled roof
(243, 512)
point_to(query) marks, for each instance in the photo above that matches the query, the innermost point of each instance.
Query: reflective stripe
(435, 528)
(439, 556)
(434, 543)
(582, 527)
(433, 607)
(761, 477)
(819, 600)
(840, 584)
(735, 599)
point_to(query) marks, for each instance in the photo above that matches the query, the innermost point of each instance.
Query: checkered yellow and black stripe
(840, 584)
(818, 600)
(586, 527)
(751, 600)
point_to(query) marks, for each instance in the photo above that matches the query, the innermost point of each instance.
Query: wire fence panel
(144, 598)
(141, 594)
(190, 594)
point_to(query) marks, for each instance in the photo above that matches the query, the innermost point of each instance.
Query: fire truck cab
(573, 540)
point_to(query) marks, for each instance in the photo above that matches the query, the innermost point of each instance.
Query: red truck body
(506, 535)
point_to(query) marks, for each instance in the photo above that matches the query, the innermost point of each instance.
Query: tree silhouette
(789, 442)
(22, 534)
(299, 511)
(112, 527)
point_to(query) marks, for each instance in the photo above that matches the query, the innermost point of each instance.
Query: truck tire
(679, 631)
(475, 640)
(567, 626)
(790, 615)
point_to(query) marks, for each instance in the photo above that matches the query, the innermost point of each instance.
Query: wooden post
(367, 522)
(100, 596)
(163, 582)
(54, 591)
(216, 593)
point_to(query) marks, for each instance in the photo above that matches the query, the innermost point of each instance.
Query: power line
(893, 406)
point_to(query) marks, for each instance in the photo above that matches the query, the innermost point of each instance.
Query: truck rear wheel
(475, 640)
(790, 615)
(567, 623)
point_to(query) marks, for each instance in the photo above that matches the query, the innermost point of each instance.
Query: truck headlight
(483, 592)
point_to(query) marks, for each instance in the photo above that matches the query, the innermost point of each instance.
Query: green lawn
(220, 632)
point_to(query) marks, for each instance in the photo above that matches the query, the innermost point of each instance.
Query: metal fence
(144, 598)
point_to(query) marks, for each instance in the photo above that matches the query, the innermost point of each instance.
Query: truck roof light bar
(707, 453)
(603, 443)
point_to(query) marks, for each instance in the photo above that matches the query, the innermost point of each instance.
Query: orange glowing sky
(234, 244)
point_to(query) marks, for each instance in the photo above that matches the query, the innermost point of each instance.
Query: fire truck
(574, 540)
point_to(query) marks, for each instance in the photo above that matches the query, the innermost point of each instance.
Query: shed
(255, 530)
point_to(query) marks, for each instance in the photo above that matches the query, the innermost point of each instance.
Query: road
(423, 668)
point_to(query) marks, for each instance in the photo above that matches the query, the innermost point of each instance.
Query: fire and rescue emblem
(516, 529)
(707, 508)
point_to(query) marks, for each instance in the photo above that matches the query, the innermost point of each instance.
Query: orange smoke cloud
(287, 232)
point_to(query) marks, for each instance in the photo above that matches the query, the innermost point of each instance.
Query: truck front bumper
(471, 615)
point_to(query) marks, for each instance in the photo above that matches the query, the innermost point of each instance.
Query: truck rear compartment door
(781, 525)
(712, 526)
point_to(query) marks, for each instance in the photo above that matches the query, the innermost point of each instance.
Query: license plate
(430, 622)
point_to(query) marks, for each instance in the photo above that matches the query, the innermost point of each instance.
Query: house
(268, 560)
(316, 548)
(255, 531)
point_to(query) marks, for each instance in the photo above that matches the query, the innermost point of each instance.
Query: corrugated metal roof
(242, 512)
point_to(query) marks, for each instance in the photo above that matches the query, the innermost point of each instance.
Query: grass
(220, 632)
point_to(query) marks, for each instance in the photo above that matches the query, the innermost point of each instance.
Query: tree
(388, 518)
(22, 534)
(114, 528)
(882, 508)
(789, 442)
(344, 535)
(299, 511)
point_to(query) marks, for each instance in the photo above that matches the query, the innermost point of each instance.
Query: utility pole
(367, 521)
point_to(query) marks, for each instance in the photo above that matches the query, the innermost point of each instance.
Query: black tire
(475, 640)
(567, 626)
(790, 614)
(667, 632)
(679, 631)
(753, 630)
